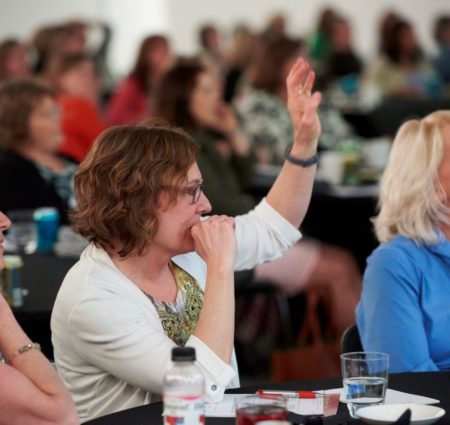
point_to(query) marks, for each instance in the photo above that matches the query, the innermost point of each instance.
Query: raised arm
(30, 390)
(291, 192)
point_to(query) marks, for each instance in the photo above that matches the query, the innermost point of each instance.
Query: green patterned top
(179, 318)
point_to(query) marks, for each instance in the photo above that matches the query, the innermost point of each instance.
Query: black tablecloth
(41, 276)
(332, 218)
(434, 384)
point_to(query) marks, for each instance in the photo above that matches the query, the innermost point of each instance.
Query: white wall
(133, 19)
(302, 16)
(130, 19)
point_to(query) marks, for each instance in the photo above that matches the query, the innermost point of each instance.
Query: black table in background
(342, 221)
(334, 218)
(432, 384)
(386, 118)
(41, 276)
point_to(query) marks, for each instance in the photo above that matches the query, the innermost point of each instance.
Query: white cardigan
(110, 348)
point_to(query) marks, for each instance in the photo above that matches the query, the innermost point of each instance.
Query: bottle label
(188, 410)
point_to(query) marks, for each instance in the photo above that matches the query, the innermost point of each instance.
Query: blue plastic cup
(47, 223)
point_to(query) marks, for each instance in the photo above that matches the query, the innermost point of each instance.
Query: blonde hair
(412, 201)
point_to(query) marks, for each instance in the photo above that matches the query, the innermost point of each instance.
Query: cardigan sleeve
(262, 235)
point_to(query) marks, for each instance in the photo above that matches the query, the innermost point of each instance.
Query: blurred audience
(132, 100)
(275, 27)
(72, 38)
(342, 59)
(32, 174)
(386, 23)
(48, 43)
(30, 390)
(319, 42)
(189, 97)
(13, 60)
(211, 48)
(262, 107)
(78, 95)
(403, 309)
(92, 38)
(402, 69)
(238, 57)
(442, 37)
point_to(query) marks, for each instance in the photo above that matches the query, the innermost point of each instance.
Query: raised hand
(303, 104)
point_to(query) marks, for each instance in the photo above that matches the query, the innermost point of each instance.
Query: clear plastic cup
(365, 378)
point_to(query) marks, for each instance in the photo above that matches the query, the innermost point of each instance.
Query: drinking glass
(251, 410)
(21, 237)
(365, 377)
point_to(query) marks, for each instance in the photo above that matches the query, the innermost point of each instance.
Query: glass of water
(365, 377)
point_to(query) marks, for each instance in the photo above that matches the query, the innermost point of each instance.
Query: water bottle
(12, 280)
(183, 390)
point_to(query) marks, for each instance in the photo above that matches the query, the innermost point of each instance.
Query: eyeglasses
(194, 191)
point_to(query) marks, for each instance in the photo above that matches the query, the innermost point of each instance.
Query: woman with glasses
(32, 174)
(156, 274)
(30, 390)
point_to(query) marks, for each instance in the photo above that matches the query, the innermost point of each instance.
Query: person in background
(13, 60)
(386, 23)
(30, 390)
(276, 27)
(91, 38)
(342, 59)
(78, 95)
(189, 97)
(68, 38)
(441, 62)
(156, 275)
(210, 42)
(262, 106)
(32, 174)
(47, 42)
(401, 69)
(238, 57)
(403, 309)
(319, 42)
(132, 100)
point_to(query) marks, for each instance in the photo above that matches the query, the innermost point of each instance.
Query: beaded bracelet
(297, 161)
(23, 349)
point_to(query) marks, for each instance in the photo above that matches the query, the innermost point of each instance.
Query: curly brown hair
(17, 102)
(118, 184)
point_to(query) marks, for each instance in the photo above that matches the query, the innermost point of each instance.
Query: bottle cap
(183, 354)
(12, 261)
(46, 213)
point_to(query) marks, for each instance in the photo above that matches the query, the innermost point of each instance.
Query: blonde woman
(404, 305)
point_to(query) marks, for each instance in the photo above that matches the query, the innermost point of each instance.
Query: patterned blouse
(179, 318)
(266, 123)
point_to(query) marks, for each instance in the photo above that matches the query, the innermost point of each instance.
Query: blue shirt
(405, 304)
